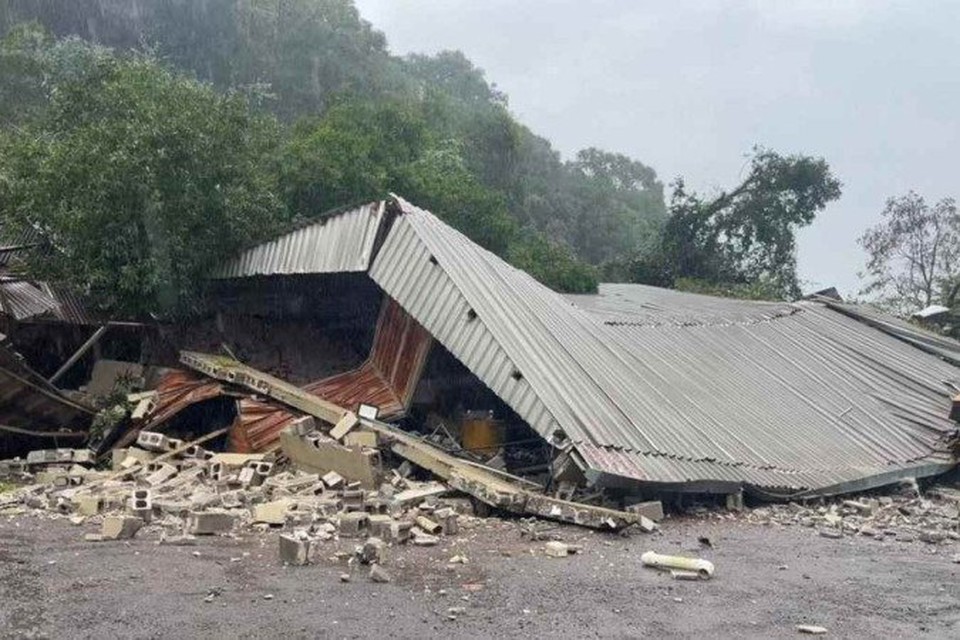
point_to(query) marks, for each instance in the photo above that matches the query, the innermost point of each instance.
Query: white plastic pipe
(703, 568)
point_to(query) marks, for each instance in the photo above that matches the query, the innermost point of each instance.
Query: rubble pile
(904, 516)
(195, 492)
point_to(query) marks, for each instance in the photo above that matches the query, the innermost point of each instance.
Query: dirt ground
(769, 579)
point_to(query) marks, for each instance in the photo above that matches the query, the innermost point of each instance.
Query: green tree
(553, 264)
(745, 235)
(620, 203)
(913, 255)
(140, 179)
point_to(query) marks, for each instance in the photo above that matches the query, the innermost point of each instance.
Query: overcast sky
(689, 87)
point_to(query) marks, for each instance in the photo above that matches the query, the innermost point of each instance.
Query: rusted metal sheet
(257, 426)
(176, 391)
(387, 379)
(390, 375)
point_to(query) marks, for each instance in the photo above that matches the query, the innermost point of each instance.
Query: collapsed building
(633, 392)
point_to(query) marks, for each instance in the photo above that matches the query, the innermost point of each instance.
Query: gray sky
(689, 87)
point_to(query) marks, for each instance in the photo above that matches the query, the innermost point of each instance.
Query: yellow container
(481, 433)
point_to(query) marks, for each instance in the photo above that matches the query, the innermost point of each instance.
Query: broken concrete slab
(319, 454)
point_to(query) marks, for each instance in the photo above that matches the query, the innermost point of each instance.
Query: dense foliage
(212, 121)
(740, 242)
(141, 180)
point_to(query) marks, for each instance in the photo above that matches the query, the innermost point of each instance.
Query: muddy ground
(769, 579)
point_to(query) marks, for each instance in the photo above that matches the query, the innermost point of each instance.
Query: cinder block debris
(373, 551)
(120, 527)
(294, 550)
(274, 513)
(205, 523)
(333, 480)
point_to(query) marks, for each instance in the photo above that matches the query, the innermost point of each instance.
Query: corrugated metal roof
(21, 300)
(934, 343)
(638, 304)
(337, 243)
(781, 396)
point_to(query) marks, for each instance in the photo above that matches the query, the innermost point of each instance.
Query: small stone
(932, 536)
(556, 549)
(374, 551)
(811, 629)
(458, 559)
(268, 596)
(344, 577)
(378, 574)
(93, 537)
(831, 533)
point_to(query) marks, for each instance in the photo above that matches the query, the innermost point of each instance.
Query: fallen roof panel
(782, 396)
(337, 243)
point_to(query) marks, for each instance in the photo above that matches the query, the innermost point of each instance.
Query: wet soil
(769, 579)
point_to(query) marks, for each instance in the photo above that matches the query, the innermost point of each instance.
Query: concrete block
(294, 550)
(400, 531)
(373, 551)
(140, 504)
(120, 527)
(379, 525)
(556, 549)
(353, 499)
(361, 438)
(152, 441)
(87, 505)
(206, 523)
(353, 524)
(172, 507)
(652, 509)
(303, 426)
(246, 475)
(428, 525)
(274, 513)
(163, 473)
(332, 480)
(448, 520)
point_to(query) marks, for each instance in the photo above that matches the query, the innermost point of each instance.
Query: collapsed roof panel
(337, 243)
(783, 397)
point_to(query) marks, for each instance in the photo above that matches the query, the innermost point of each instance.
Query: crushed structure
(340, 360)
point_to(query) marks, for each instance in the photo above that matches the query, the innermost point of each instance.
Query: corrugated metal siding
(339, 243)
(756, 393)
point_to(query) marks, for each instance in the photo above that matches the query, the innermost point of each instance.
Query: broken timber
(483, 484)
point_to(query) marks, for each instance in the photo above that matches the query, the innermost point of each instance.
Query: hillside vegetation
(150, 139)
